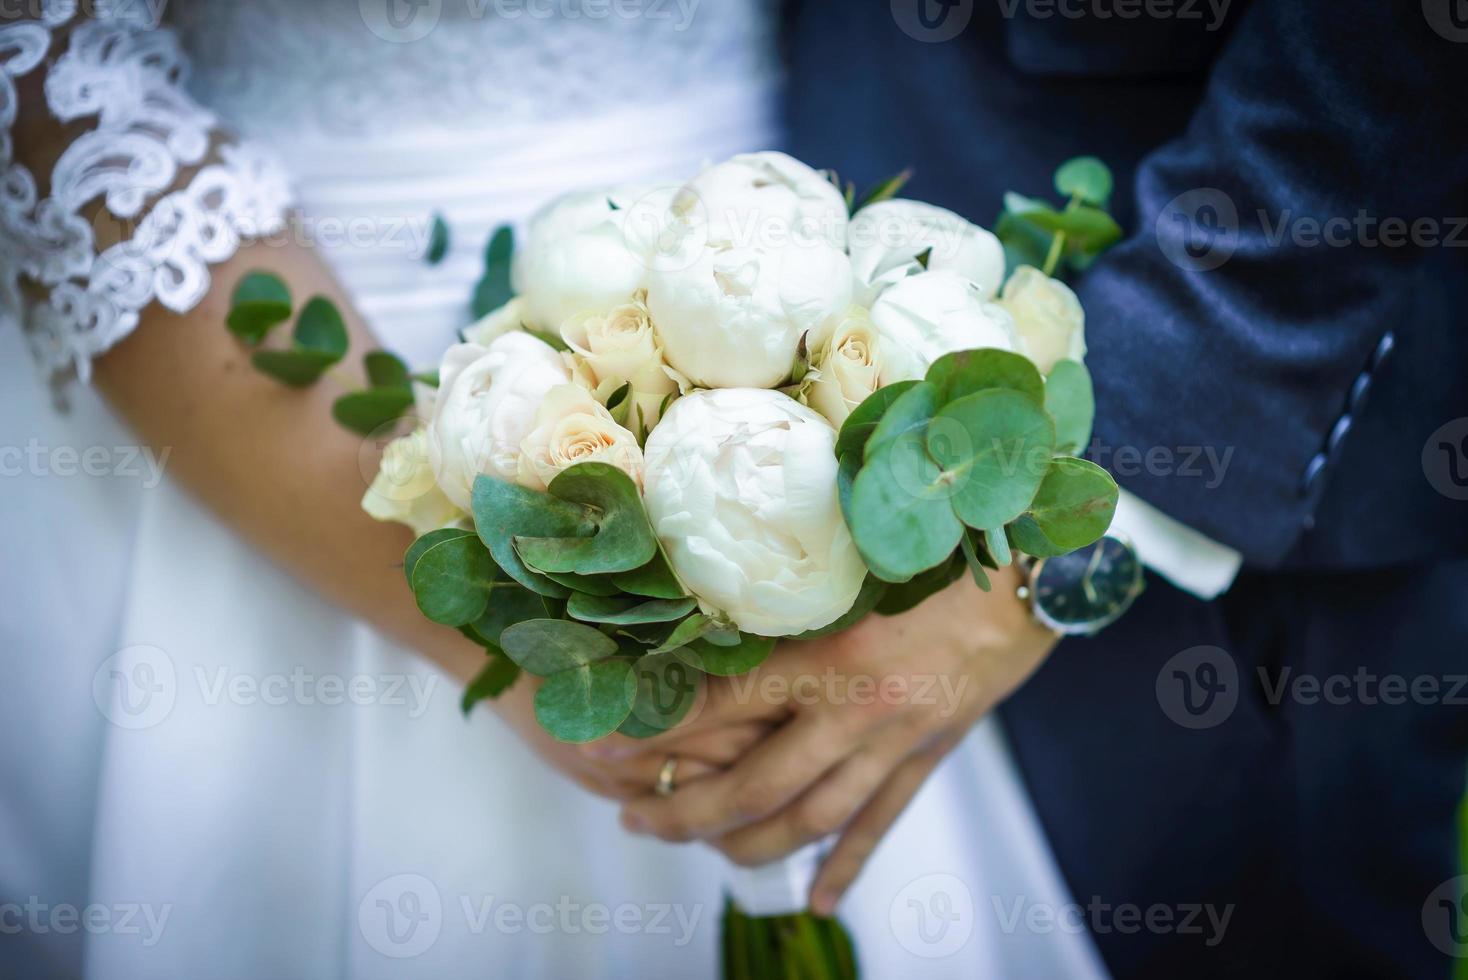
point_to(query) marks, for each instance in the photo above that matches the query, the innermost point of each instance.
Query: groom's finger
(865, 832)
(771, 774)
(819, 812)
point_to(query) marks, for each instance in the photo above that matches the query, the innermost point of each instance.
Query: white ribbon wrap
(779, 888)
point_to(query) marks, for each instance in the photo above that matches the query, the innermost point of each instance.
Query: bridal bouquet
(697, 419)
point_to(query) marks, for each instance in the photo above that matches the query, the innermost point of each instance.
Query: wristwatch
(1082, 593)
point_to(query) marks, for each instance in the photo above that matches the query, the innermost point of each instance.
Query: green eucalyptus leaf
(260, 301)
(511, 603)
(493, 289)
(1087, 229)
(599, 585)
(1071, 402)
(503, 510)
(910, 412)
(975, 563)
(1075, 503)
(623, 538)
(686, 632)
(320, 327)
(1024, 244)
(901, 515)
(385, 370)
(1025, 535)
(626, 610)
(438, 240)
(297, 368)
(860, 424)
(1085, 177)
(452, 580)
(545, 646)
(496, 677)
(667, 689)
(847, 467)
(365, 412)
(993, 448)
(747, 653)
(901, 597)
(884, 190)
(997, 545)
(423, 543)
(967, 372)
(429, 378)
(655, 579)
(588, 702)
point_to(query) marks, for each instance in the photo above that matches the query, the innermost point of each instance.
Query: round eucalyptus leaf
(1085, 177)
(1071, 402)
(965, 372)
(547, 646)
(727, 661)
(993, 448)
(901, 517)
(259, 302)
(510, 603)
(625, 610)
(654, 579)
(585, 703)
(385, 370)
(503, 510)
(296, 367)
(364, 412)
(496, 677)
(320, 327)
(1075, 503)
(909, 412)
(452, 580)
(862, 421)
(423, 543)
(623, 538)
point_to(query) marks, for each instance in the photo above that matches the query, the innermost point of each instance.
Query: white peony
(1047, 315)
(846, 369)
(887, 237)
(766, 200)
(735, 316)
(405, 490)
(920, 318)
(573, 427)
(575, 258)
(486, 405)
(741, 490)
(620, 348)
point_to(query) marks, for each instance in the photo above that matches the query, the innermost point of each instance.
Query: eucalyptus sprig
(1066, 239)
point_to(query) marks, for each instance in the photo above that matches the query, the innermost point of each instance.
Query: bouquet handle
(768, 930)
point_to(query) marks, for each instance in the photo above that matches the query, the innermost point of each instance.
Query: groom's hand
(864, 716)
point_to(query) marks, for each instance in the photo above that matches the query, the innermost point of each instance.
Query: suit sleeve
(1278, 242)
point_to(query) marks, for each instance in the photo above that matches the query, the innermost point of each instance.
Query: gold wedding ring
(665, 784)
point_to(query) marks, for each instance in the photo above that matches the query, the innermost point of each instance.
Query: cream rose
(620, 348)
(920, 318)
(575, 258)
(846, 369)
(1047, 315)
(887, 237)
(734, 318)
(405, 490)
(573, 427)
(741, 490)
(486, 405)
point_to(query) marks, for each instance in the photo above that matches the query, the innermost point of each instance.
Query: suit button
(1359, 389)
(1312, 473)
(1384, 348)
(1337, 433)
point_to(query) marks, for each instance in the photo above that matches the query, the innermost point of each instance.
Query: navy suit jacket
(1297, 374)
(1311, 367)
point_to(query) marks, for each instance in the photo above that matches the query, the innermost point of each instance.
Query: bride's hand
(864, 717)
(633, 771)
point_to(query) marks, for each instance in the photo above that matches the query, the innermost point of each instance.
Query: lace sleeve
(126, 81)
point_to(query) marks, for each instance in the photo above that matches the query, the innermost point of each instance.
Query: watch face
(1085, 590)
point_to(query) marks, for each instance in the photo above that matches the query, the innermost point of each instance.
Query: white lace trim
(131, 79)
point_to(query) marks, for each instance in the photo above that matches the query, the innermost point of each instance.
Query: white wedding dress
(224, 776)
